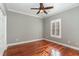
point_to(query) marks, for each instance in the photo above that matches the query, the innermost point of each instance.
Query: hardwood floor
(40, 48)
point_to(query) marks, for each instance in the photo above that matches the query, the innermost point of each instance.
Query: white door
(2, 32)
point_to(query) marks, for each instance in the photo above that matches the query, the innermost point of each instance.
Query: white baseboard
(76, 48)
(23, 42)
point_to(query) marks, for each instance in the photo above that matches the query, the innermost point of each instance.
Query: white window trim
(55, 29)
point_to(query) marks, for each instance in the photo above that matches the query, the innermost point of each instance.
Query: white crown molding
(23, 13)
(76, 48)
(24, 42)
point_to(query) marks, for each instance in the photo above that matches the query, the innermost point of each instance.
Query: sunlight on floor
(55, 53)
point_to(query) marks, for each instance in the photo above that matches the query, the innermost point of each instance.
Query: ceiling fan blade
(45, 12)
(38, 12)
(35, 8)
(49, 7)
(42, 8)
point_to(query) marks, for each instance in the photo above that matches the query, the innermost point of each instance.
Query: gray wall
(22, 28)
(2, 29)
(70, 27)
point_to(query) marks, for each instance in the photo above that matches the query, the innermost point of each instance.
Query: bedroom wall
(70, 27)
(2, 29)
(22, 27)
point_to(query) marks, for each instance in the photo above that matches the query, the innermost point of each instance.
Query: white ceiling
(24, 8)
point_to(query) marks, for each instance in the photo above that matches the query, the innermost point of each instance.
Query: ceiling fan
(42, 8)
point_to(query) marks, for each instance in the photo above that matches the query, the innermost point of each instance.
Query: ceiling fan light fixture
(42, 8)
(41, 11)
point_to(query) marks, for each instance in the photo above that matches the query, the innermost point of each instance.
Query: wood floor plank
(39, 48)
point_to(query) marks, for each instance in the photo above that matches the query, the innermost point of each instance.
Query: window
(55, 28)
